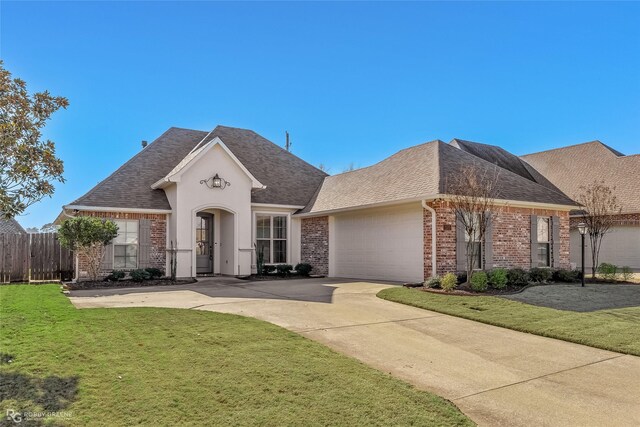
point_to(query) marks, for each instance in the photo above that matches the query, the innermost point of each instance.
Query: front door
(204, 243)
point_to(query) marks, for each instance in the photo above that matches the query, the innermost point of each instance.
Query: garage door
(621, 246)
(383, 244)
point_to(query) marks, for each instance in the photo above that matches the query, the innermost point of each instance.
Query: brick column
(315, 243)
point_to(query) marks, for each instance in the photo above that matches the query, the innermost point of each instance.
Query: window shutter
(534, 240)
(144, 243)
(555, 241)
(461, 248)
(488, 245)
(107, 259)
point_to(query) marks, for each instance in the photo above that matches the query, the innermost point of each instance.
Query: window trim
(547, 242)
(271, 239)
(137, 245)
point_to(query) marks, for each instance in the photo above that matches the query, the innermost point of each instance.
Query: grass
(616, 330)
(184, 367)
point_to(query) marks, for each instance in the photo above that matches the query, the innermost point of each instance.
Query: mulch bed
(101, 284)
(509, 290)
(466, 290)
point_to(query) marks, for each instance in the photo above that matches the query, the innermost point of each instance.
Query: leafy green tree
(28, 164)
(87, 236)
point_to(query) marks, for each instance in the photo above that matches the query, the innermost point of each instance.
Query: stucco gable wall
(192, 196)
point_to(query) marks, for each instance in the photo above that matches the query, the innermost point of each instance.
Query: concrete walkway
(496, 376)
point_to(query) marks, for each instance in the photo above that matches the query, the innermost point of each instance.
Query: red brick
(315, 243)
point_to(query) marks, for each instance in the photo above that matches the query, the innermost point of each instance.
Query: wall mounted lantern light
(215, 182)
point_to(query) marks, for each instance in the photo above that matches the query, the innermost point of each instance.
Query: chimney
(144, 143)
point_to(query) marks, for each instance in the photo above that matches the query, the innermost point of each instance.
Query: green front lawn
(174, 367)
(616, 330)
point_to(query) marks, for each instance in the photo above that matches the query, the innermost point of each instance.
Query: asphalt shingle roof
(10, 226)
(289, 179)
(571, 167)
(504, 159)
(421, 171)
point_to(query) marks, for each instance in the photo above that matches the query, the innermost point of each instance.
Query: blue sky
(351, 82)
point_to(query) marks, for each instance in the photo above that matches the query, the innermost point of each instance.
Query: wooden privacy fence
(34, 258)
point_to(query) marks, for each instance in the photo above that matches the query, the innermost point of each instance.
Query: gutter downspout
(433, 237)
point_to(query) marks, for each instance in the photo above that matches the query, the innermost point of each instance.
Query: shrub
(303, 268)
(115, 276)
(432, 282)
(449, 282)
(498, 278)
(284, 269)
(266, 269)
(626, 273)
(462, 277)
(139, 275)
(154, 272)
(569, 276)
(608, 271)
(479, 281)
(539, 275)
(517, 277)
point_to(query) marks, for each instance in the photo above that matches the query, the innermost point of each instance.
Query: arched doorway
(214, 242)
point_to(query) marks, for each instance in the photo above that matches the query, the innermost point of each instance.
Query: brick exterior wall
(445, 241)
(315, 244)
(158, 222)
(511, 237)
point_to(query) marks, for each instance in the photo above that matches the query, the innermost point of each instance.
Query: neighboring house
(222, 197)
(10, 226)
(571, 167)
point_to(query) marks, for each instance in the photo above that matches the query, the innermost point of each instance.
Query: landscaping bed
(466, 290)
(126, 283)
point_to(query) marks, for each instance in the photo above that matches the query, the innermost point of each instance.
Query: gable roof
(420, 172)
(197, 153)
(289, 180)
(571, 167)
(10, 226)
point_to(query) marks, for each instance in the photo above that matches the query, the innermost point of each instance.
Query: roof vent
(144, 143)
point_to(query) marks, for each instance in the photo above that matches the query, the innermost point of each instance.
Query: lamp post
(582, 228)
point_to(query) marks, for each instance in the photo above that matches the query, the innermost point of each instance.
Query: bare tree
(323, 168)
(349, 168)
(473, 192)
(599, 205)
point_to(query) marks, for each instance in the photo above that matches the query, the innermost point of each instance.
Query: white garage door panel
(621, 246)
(384, 244)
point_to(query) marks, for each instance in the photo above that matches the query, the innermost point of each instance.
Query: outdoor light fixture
(582, 228)
(215, 182)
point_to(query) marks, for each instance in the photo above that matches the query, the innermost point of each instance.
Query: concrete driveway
(496, 376)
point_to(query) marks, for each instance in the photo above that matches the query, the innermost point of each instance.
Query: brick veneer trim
(315, 243)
